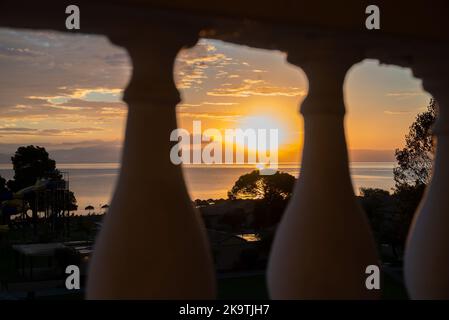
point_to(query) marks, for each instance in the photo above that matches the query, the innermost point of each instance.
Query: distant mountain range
(5, 158)
(100, 154)
(111, 153)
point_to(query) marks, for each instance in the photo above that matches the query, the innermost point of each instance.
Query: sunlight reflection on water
(94, 183)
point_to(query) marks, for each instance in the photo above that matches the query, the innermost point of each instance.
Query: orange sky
(64, 91)
(224, 84)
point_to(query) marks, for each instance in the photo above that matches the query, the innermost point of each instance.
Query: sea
(93, 183)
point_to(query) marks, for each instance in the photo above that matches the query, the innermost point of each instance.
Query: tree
(30, 164)
(373, 200)
(253, 185)
(416, 158)
(413, 172)
(382, 214)
(89, 208)
(2, 185)
(234, 219)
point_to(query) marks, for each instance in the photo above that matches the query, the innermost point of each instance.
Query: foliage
(30, 164)
(408, 199)
(208, 202)
(381, 210)
(2, 184)
(269, 214)
(413, 172)
(391, 215)
(373, 193)
(374, 202)
(415, 159)
(234, 219)
(253, 185)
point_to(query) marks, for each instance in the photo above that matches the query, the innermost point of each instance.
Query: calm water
(93, 184)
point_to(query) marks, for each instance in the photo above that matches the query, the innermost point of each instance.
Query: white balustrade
(426, 257)
(152, 244)
(323, 244)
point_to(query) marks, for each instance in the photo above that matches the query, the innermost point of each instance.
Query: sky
(64, 92)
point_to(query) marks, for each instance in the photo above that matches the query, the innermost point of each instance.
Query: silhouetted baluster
(426, 261)
(323, 244)
(152, 243)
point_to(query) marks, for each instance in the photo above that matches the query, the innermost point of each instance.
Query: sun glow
(260, 166)
(264, 121)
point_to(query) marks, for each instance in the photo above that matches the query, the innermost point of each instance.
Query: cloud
(22, 107)
(20, 131)
(87, 94)
(390, 112)
(188, 105)
(205, 103)
(191, 64)
(113, 111)
(72, 111)
(117, 59)
(221, 74)
(60, 87)
(69, 131)
(256, 88)
(219, 103)
(404, 94)
(215, 116)
(18, 53)
(202, 59)
(14, 129)
(71, 108)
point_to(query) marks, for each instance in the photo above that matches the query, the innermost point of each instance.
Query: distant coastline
(111, 154)
(93, 183)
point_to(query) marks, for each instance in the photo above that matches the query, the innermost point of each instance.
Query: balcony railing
(322, 248)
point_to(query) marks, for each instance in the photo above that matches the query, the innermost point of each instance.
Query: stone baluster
(426, 260)
(152, 244)
(323, 244)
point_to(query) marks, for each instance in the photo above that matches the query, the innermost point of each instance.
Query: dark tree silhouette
(89, 208)
(384, 217)
(415, 159)
(412, 174)
(30, 164)
(253, 185)
(234, 219)
(2, 184)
